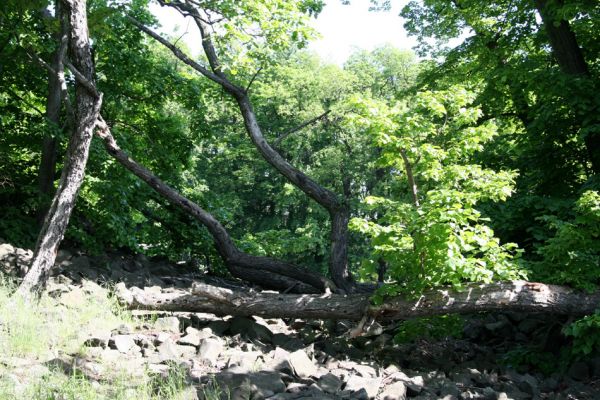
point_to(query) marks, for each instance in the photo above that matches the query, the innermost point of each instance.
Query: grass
(33, 334)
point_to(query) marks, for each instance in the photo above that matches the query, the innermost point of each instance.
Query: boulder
(167, 324)
(302, 365)
(210, 349)
(395, 391)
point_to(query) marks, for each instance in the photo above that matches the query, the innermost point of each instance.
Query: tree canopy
(400, 170)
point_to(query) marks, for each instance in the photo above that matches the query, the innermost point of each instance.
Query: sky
(343, 28)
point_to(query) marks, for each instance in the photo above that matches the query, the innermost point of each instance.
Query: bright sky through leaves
(343, 29)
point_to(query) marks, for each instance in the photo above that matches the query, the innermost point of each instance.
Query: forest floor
(78, 343)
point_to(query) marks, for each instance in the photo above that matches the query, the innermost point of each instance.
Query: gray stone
(370, 385)
(489, 393)
(168, 351)
(262, 384)
(449, 388)
(395, 391)
(549, 385)
(186, 352)
(365, 371)
(280, 361)
(250, 329)
(76, 298)
(528, 384)
(162, 337)
(246, 360)
(210, 349)
(579, 371)
(123, 343)
(191, 339)
(6, 250)
(168, 324)
(330, 383)
(98, 339)
(302, 365)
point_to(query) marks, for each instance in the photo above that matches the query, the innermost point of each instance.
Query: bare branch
(218, 78)
(303, 125)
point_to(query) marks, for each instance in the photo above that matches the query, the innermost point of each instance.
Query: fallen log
(519, 296)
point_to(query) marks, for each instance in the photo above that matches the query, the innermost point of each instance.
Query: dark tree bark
(339, 271)
(264, 271)
(571, 60)
(501, 296)
(47, 170)
(88, 107)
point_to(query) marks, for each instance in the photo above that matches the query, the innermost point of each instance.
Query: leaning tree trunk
(264, 271)
(501, 296)
(338, 267)
(88, 107)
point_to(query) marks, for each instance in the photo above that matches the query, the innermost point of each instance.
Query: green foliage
(432, 328)
(427, 229)
(527, 357)
(572, 255)
(586, 335)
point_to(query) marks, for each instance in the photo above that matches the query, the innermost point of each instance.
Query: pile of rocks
(255, 358)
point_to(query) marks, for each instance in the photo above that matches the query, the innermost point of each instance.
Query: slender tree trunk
(47, 168)
(264, 271)
(339, 248)
(500, 296)
(88, 107)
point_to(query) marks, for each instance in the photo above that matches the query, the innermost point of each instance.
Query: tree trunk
(570, 58)
(264, 271)
(47, 168)
(564, 44)
(502, 296)
(88, 107)
(324, 197)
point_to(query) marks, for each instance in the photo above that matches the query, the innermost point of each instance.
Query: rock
(261, 384)
(161, 338)
(62, 255)
(76, 298)
(365, 371)
(370, 385)
(280, 361)
(191, 339)
(98, 339)
(250, 329)
(6, 250)
(329, 383)
(168, 324)
(246, 360)
(123, 343)
(579, 371)
(168, 351)
(414, 387)
(186, 352)
(395, 391)
(301, 364)
(528, 384)
(549, 385)
(210, 349)
(449, 388)
(110, 355)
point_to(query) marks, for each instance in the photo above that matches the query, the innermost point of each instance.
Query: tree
(88, 107)
(336, 206)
